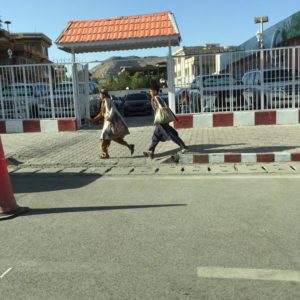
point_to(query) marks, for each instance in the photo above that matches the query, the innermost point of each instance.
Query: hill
(114, 65)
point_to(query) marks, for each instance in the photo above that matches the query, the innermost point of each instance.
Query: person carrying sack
(163, 131)
(114, 127)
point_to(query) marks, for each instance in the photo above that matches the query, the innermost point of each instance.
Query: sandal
(103, 156)
(131, 148)
(149, 154)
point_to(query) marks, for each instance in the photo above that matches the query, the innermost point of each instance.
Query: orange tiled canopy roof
(121, 33)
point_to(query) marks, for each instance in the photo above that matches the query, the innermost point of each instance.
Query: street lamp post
(7, 24)
(259, 34)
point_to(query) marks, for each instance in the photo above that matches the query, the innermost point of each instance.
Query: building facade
(23, 48)
(190, 61)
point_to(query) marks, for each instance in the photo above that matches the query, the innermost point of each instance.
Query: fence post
(75, 94)
(51, 92)
(294, 77)
(12, 74)
(2, 101)
(87, 88)
(171, 89)
(262, 89)
(26, 93)
(201, 83)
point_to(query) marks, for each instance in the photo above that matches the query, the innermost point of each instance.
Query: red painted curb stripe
(265, 117)
(2, 127)
(31, 126)
(67, 125)
(295, 156)
(265, 157)
(232, 158)
(200, 158)
(236, 158)
(222, 119)
(184, 121)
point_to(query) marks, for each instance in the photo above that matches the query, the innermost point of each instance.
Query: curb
(211, 158)
(23, 126)
(238, 118)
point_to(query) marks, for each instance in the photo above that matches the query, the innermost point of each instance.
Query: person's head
(154, 89)
(104, 94)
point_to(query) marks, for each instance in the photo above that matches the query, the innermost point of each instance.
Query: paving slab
(250, 168)
(49, 171)
(147, 170)
(222, 168)
(97, 170)
(119, 171)
(169, 170)
(26, 170)
(279, 168)
(195, 170)
(72, 170)
(295, 166)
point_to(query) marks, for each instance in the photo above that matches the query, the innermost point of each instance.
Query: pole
(171, 88)
(8, 205)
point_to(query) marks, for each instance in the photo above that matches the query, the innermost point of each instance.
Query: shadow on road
(34, 183)
(60, 210)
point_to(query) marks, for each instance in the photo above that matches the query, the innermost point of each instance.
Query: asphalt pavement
(146, 237)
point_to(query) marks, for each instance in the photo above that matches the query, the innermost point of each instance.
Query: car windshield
(19, 90)
(279, 75)
(64, 88)
(134, 97)
(218, 80)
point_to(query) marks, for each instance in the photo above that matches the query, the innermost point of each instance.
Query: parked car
(220, 92)
(165, 97)
(94, 97)
(19, 97)
(63, 100)
(136, 104)
(118, 101)
(278, 87)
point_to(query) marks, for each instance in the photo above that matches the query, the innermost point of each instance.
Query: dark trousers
(165, 132)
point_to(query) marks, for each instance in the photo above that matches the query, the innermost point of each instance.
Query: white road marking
(5, 273)
(253, 274)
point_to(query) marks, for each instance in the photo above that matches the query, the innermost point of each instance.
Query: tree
(123, 81)
(138, 81)
(110, 83)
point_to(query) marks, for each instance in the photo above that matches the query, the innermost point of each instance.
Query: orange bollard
(8, 205)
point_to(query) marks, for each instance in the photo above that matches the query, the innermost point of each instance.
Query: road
(153, 237)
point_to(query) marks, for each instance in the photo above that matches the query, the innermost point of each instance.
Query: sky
(226, 22)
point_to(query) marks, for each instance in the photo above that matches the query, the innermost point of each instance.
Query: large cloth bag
(114, 125)
(163, 113)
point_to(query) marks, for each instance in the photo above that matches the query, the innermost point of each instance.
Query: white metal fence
(228, 81)
(44, 91)
(238, 81)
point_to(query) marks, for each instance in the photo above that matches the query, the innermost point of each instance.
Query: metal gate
(44, 91)
(238, 81)
(81, 92)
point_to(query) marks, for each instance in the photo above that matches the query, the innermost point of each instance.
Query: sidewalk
(79, 149)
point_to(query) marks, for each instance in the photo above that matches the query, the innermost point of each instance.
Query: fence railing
(36, 91)
(238, 81)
